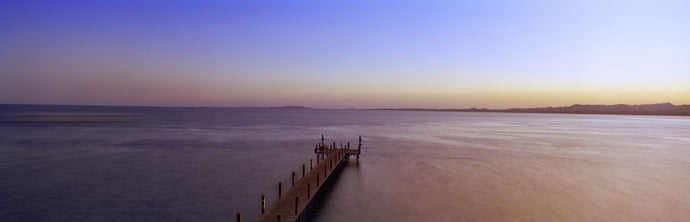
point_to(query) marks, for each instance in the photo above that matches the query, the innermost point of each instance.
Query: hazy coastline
(36, 113)
(659, 109)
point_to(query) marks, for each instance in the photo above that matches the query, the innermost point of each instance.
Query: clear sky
(337, 54)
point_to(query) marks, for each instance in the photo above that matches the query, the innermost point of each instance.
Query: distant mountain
(646, 109)
(289, 107)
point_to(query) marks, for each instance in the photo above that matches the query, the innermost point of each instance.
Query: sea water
(81, 163)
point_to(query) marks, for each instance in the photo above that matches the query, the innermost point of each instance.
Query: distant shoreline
(659, 109)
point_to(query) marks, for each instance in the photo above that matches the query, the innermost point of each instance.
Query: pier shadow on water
(324, 196)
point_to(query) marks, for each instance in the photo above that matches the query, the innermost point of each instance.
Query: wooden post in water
(348, 145)
(304, 169)
(293, 178)
(325, 171)
(280, 190)
(317, 159)
(317, 180)
(296, 204)
(278, 217)
(308, 190)
(239, 217)
(311, 164)
(263, 203)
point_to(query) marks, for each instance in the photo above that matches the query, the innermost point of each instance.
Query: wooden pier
(296, 203)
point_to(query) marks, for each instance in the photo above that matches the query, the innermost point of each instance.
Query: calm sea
(72, 163)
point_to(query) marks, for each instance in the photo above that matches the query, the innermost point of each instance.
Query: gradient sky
(361, 54)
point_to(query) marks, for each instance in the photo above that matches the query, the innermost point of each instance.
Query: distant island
(666, 109)
(289, 107)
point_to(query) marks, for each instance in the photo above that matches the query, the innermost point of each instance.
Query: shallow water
(207, 164)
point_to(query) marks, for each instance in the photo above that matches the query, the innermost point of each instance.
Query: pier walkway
(296, 202)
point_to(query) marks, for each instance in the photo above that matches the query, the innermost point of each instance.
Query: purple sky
(362, 54)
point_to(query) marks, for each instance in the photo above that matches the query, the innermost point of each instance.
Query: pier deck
(294, 203)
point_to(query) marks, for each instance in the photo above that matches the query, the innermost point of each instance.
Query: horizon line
(350, 108)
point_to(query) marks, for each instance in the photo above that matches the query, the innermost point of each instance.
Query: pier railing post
(278, 217)
(280, 190)
(304, 170)
(263, 203)
(317, 180)
(308, 190)
(293, 178)
(239, 217)
(311, 164)
(317, 159)
(296, 204)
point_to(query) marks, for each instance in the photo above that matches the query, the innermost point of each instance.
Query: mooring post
(293, 178)
(325, 171)
(239, 217)
(317, 159)
(296, 204)
(304, 170)
(278, 217)
(263, 203)
(308, 190)
(311, 164)
(280, 190)
(317, 180)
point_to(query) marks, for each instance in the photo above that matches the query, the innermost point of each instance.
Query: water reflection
(208, 164)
